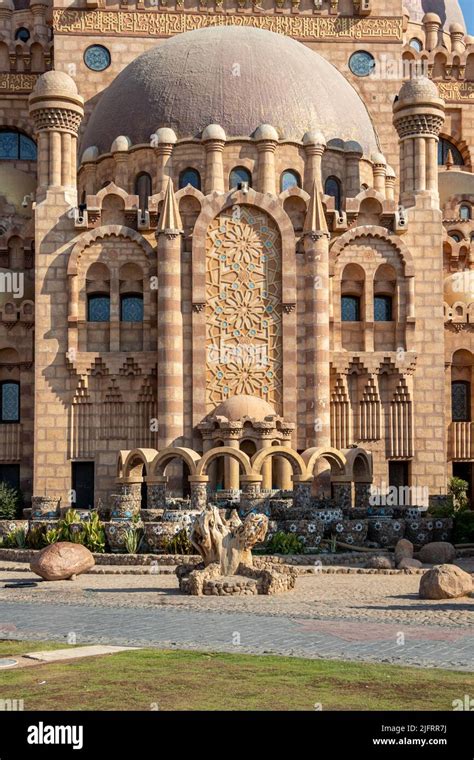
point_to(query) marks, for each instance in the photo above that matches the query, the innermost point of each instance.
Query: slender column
(231, 467)
(379, 167)
(314, 147)
(214, 139)
(266, 138)
(163, 141)
(316, 246)
(432, 164)
(267, 466)
(66, 140)
(420, 165)
(55, 159)
(170, 325)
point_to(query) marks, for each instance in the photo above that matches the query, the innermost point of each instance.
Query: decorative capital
(289, 307)
(198, 307)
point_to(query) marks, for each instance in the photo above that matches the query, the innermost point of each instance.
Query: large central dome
(238, 77)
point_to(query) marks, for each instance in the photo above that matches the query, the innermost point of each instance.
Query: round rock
(62, 560)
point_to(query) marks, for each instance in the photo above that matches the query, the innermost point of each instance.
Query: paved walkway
(433, 646)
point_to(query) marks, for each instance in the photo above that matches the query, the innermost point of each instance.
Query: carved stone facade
(168, 275)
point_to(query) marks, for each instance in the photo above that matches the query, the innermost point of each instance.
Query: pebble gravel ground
(340, 615)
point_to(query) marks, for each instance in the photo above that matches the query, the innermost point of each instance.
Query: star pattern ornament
(243, 307)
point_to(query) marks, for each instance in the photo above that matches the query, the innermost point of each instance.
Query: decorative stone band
(458, 92)
(56, 120)
(163, 24)
(17, 82)
(412, 125)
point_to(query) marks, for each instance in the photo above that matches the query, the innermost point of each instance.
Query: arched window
(416, 44)
(444, 147)
(332, 187)
(454, 236)
(15, 146)
(131, 307)
(22, 34)
(461, 401)
(289, 179)
(350, 309)
(9, 402)
(190, 177)
(383, 308)
(238, 175)
(98, 307)
(143, 189)
(465, 212)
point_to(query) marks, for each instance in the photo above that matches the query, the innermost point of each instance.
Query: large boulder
(61, 561)
(437, 553)
(445, 582)
(379, 562)
(408, 564)
(403, 550)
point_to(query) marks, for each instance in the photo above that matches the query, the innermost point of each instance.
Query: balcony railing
(461, 440)
(10, 442)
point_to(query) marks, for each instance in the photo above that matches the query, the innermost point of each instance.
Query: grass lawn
(178, 680)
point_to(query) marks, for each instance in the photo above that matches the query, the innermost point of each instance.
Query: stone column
(418, 115)
(57, 110)
(285, 470)
(214, 139)
(156, 492)
(432, 25)
(250, 496)
(362, 495)
(266, 443)
(199, 487)
(39, 9)
(390, 179)
(316, 245)
(342, 493)
(354, 154)
(231, 465)
(121, 164)
(266, 138)
(457, 33)
(302, 492)
(379, 168)
(314, 146)
(170, 324)
(163, 141)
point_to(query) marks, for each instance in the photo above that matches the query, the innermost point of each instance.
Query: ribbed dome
(237, 77)
(449, 11)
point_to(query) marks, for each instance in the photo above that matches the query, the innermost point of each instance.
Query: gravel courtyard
(339, 615)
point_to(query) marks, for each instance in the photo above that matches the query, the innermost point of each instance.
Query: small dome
(457, 29)
(90, 154)
(314, 138)
(266, 132)
(7, 4)
(121, 144)
(431, 18)
(459, 287)
(165, 136)
(378, 158)
(214, 132)
(390, 174)
(418, 90)
(53, 83)
(238, 407)
(352, 146)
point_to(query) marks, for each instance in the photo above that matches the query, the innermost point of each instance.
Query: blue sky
(468, 10)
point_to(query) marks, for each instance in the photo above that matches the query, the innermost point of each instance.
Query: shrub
(9, 502)
(94, 534)
(180, 543)
(51, 536)
(133, 540)
(16, 539)
(36, 538)
(285, 543)
(457, 488)
(464, 528)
